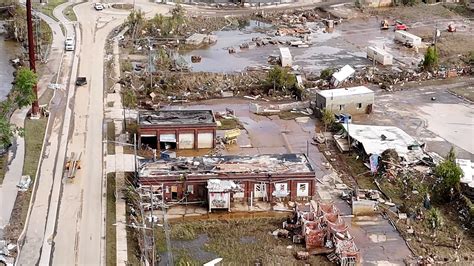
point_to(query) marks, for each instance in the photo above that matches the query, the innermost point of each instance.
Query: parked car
(69, 44)
(400, 26)
(98, 6)
(81, 81)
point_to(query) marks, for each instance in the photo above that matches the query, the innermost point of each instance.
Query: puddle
(194, 249)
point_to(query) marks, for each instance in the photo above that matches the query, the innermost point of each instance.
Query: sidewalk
(8, 190)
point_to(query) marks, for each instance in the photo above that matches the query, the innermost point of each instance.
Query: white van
(69, 44)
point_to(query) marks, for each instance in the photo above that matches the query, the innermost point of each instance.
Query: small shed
(285, 57)
(219, 193)
(342, 75)
(379, 55)
(354, 100)
(407, 38)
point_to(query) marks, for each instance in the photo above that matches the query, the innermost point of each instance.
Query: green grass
(34, 134)
(48, 8)
(133, 249)
(69, 13)
(110, 137)
(226, 241)
(111, 229)
(465, 92)
(3, 166)
(227, 124)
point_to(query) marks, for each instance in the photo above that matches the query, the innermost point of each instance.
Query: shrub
(431, 58)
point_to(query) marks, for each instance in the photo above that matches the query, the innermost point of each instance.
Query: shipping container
(379, 55)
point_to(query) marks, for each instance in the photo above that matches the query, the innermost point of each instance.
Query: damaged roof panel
(270, 164)
(377, 139)
(176, 117)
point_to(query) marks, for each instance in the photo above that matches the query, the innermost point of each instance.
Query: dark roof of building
(176, 117)
(268, 163)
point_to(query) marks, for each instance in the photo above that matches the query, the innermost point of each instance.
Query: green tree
(449, 174)
(129, 99)
(435, 219)
(327, 119)
(431, 58)
(23, 93)
(326, 73)
(6, 132)
(280, 79)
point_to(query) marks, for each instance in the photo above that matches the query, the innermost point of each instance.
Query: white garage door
(168, 137)
(205, 140)
(186, 141)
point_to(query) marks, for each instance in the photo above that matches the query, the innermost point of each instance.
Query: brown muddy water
(325, 50)
(8, 50)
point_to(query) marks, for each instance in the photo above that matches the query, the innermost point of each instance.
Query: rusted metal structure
(324, 232)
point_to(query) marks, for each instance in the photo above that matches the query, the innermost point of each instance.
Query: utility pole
(31, 55)
(152, 229)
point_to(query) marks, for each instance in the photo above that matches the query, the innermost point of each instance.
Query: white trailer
(379, 55)
(407, 38)
(285, 57)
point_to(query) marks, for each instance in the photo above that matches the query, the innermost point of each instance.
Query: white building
(285, 57)
(355, 100)
(379, 55)
(405, 37)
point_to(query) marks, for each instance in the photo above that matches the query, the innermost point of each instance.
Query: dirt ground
(237, 241)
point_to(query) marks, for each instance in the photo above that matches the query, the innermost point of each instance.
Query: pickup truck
(81, 81)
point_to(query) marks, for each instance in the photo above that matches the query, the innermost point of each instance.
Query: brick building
(262, 177)
(177, 129)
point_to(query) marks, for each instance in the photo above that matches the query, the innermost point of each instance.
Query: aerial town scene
(236, 132)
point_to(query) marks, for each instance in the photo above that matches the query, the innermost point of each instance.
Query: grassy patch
(111, 229)
(359, 171)
(110, 138)
(133, 247)
(69, 13)
(237, 241)
(232, 123)
(34, 134)
(288, 115)
(48, 8)
(467, 93)
(3, 166)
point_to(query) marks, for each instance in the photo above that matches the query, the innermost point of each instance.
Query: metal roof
(377, 139)
(345, 92)
(344, 73)
(176, 117)
(211, 165)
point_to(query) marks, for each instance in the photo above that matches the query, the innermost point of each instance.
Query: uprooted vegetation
(237, 241)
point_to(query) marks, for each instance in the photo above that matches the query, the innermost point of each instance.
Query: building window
(359, 105)
(302, 190)
(341, 107)
(190, 189)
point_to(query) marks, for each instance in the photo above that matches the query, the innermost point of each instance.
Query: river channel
(8, 51)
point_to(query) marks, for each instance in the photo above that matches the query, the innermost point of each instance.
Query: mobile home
(405, 37)
(379, 55)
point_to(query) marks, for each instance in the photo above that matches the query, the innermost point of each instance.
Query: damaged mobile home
(374, 140)
(323, 231)
(221, 180)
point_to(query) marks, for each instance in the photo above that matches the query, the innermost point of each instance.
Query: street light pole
(31, 55)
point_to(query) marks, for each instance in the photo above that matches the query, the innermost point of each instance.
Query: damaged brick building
(260, 177)
(177, 129)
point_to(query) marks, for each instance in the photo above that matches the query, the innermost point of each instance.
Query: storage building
(407, 38)
(177, 129)
(355, 100)
(285, 57)
(379, 55)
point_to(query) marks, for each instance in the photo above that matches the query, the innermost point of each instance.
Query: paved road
(41, 222)
(8, 189)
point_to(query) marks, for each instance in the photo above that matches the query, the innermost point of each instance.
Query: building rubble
(323, 231)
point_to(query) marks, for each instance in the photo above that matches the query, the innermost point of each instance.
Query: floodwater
(325, 50)
(8, 50)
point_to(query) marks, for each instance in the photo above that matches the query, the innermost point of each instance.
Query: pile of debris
(7, 251)
(323, 231)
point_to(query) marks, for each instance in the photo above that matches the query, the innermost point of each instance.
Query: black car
(81, 81)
